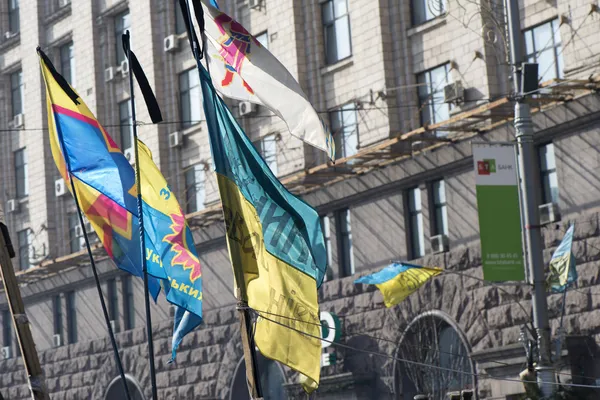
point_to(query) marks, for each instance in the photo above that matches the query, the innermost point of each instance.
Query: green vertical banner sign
(499, 212)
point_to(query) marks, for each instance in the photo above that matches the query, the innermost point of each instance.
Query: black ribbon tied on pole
(136, 68)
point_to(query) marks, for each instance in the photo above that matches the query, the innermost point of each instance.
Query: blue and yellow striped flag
(562, 271)
(275, 243)
(397, 281)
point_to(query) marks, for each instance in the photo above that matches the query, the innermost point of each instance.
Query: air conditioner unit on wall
(175, 139)
(549, 213)
(254, 3)
(6, 353)
(124, 67)
(454, 92)
(57, 340)
(439, 244)
(78, 231)
(170, 43)
(114, 326)
(59, 187)
(109, 74)
(246, 108)
(18, 121)
(12, 206)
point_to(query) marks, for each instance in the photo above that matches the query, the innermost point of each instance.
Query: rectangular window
(7, 328)
(16, 92)
(267, 147)
(344, 127)
(71, 318)
(431, 96)
(190, 98)
(327, 237)
(21, 180)
(24, 239)
(113, 301)
(415, 223)
(548, 175)
(125, 125)
(128, 306)
(76, 241)
(440, 212)
(263, 38)
(195, 191)
(179, 22)
(57, 315)
(122, 24)
(425, 10)
(13, 16)
(346, 255)
(336, 28)
(543, 46)
(67, 63)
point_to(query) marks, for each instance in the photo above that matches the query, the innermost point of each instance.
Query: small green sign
(499, 212)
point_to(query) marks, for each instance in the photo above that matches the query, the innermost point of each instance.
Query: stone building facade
(381, 73)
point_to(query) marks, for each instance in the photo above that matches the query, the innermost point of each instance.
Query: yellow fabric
(278, 291)
(401, 286)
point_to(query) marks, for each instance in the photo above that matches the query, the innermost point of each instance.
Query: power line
(357, 333)
(416, 363)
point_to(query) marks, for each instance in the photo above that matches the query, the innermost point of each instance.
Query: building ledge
(340, 65)
(10, 42)
(427, 26)
(58, 14)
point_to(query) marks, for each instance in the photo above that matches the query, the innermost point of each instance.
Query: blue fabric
(185, 322)
(562, 251)
(291, 228)
(386, 274)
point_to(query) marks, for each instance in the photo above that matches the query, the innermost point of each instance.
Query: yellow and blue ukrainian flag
(106, 189)
(398, 280)
(275, 243)
(562, 264)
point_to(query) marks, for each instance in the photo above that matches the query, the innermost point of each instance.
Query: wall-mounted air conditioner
(6, 353)
(549, 213)
(18, 121)
(175, 139)
(246, 108)
(109, 74)
(12, 206)
(170, 43)
(57, 340)
(60, 189)
(439, 244)
(454, 92)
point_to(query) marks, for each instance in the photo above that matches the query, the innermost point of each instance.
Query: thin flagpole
(111, 334)
(252, 373)
(141, 223)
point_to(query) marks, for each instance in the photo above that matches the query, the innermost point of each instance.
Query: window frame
(186, 100)
(16, 92)
(73, 223)
(24, 248)
(122, 23)
(113, 300)
(125, 124)
(325, 24)
(558, 59)
(7, 328)
(338, 126)
(545, 173)
(128, 302)
(326, 229)
(57, 315)
(441, 206)
(428, 101)
(66, 54)
(271, 157)
(21, 175)
(191, 197)
(70, 298)
(345, 243)
(418, 213)
(14, 15)
(425, 3)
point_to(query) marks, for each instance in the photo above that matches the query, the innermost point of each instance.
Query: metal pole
(142, 237)
(528, 182)
(35, 375)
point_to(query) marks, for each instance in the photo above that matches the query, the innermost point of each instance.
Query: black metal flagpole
(127, 42)
(111, 334)
(62, 83)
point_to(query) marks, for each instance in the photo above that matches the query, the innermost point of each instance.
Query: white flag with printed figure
(243, 69)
